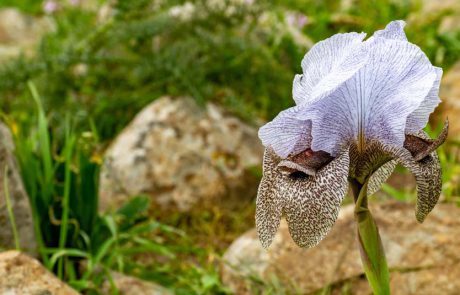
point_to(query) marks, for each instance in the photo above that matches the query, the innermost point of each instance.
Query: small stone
(21, 274)
(128, 285)
(415, 254)
(18, 197)
(181, 155)
(20, 33)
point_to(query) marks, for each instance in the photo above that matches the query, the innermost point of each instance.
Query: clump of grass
(81, 246)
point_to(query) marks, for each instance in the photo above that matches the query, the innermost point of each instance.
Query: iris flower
(360, 109)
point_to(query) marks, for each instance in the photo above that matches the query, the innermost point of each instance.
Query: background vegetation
(93, 73)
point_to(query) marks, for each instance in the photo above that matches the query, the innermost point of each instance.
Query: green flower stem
(371, 249)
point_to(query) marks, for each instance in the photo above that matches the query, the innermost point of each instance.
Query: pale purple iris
(353, 90)
(360, 109)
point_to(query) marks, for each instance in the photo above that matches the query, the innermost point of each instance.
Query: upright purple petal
(375, 103)
(327, 65)
(286, 134)
(394, 30)
(418, 119)
(356, 92)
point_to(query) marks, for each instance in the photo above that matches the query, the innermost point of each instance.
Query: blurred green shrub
(242, 54)
(109, 71)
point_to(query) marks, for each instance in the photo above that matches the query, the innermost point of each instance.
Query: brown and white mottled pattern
(365, 163)
(310, 203)
(310, 195)
(427, 174)
(418, 155)
(426, 169)
(269, 204)
(380, 176)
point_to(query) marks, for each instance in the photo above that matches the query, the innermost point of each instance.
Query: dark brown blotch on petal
(307, 162)
(421, 146)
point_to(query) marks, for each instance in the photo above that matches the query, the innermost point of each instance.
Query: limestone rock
(20, 33)
(18, 197)
(181, 155)
(128, 285)
(21, 274)
(422, 257)
(436, 280)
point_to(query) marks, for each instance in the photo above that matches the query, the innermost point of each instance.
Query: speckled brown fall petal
(427, 174)
(310, 203)
(427, 170)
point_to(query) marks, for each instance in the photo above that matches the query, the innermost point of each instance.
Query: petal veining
(328, 64)
(418, 119)
(286, 134)
(375, 103)
(394, 30)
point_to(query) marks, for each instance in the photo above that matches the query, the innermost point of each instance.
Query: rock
(181, 155)
(450, 106)
(20, 33)
(18, 197)
(423, 258)
(128, 285)
(436, 280)
(21, 274)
